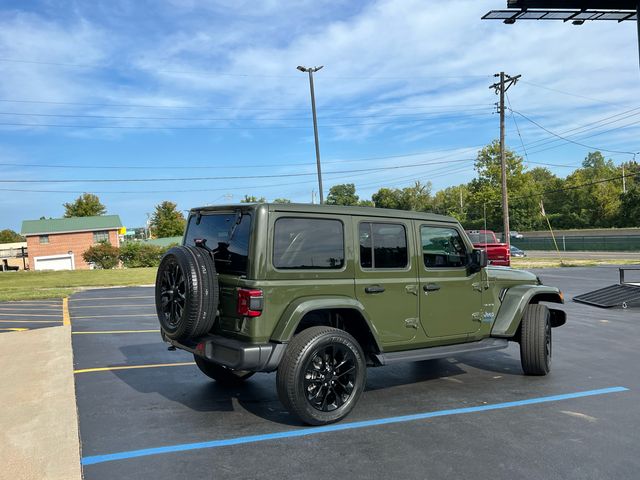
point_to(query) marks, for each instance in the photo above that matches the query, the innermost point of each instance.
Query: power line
(239, 177)
(231, 119)
(229, 74)
(272, 127)
(568, 139)
(211, 107)
(569, 93)
(592, 126)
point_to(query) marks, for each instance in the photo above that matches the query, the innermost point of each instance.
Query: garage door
(54, 262)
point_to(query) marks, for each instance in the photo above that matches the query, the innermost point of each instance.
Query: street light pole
(311, 71)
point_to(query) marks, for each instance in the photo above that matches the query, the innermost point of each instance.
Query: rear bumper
(232, 353)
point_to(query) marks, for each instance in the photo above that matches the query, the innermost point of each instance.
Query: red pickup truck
(498, 253)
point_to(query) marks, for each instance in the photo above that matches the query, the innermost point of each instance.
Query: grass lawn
(533, 262)
(36, 285)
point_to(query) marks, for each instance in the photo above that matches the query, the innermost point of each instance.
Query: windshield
(227, 234)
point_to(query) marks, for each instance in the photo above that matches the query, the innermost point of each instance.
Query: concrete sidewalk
(38, 420)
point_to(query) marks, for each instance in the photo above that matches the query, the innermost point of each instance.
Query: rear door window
(383, 245)
(308, 243)
(227, 234)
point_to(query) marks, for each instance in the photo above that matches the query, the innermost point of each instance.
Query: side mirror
(479, 260)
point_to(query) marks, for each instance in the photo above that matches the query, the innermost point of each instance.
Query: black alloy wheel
(172, 293)
(321, 375)
(330, 376)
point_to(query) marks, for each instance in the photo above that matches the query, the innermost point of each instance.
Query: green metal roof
(72, 224)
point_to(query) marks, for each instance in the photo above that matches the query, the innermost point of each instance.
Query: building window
(102, 236)
(44, 239)
(383, 245)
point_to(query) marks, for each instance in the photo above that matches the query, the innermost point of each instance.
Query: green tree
(139, 254)
(252, 199)
(629, 215)
(452, 201)
(9, 236)
(387, 198)
(281, 200)
(343, 194)
(485, 190)
(366, 203)
(588, 202)
(103, 255)
(167, 221)
(416, 197)
(86, 205)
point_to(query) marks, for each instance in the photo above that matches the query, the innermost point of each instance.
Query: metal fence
(7, 254)
(586, 243)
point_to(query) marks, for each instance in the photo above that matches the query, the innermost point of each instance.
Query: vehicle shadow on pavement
(409, 373)
(497, 362)
(186, 385)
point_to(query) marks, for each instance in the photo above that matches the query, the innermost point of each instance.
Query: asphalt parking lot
(146, 412)
(27, 315)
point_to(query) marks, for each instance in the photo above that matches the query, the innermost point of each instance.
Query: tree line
(594, 195)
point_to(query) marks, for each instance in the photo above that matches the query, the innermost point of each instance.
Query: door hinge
(480, 286)
(411, 323)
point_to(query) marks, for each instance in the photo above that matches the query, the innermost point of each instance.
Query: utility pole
(501, 88)
(624, 181)
(311, 71)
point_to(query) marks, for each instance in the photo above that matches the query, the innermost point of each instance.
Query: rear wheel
(535, 340)
(220, 373)
(186, 292)
(321, 375)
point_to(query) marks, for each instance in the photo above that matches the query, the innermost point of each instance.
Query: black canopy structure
(575, 11)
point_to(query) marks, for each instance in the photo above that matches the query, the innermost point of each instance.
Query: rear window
(481, 237)
(227, 234)
(308, 243)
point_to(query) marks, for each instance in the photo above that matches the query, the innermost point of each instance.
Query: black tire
(220, 373)
(535, 340)
(327, 361)
(186, 292)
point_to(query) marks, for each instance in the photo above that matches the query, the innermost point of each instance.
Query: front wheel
(321, 375)
(221, 374)
(535, 340)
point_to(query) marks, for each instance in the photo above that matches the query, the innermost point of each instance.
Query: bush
(138, 254)
(103, 255)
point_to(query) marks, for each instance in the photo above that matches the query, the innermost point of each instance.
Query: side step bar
(442, 352)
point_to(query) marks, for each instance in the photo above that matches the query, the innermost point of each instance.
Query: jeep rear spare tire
(186, 292)
(321, 375)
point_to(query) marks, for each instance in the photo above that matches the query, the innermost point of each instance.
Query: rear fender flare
(297, 309)
(516, 300)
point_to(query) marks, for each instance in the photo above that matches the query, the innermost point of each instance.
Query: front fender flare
(297, 309)
(516, 300)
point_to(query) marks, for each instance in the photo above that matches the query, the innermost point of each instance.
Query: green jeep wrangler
(319, 293)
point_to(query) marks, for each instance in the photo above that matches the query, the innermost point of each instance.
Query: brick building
(58, 243)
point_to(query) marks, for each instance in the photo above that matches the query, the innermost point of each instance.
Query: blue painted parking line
(91, 460)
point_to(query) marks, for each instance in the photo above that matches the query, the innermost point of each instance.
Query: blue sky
(209, 88)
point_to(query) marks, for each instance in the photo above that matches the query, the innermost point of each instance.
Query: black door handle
(431, 287)
(374, 289)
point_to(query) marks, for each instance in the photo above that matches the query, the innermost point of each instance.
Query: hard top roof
(330, 209)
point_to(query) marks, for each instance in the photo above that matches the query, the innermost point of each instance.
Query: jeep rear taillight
(250, 302)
